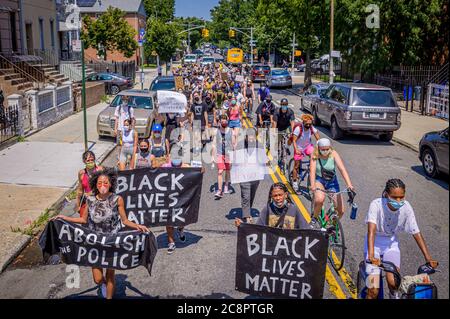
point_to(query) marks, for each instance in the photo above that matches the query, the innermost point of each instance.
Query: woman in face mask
(129, 145)
(104, 213)
(322, 175)
(387, 217)
(280, 212)
(84, 188)
(159, 146)
(142, 158)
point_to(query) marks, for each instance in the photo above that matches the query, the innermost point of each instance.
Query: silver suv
(358, 108)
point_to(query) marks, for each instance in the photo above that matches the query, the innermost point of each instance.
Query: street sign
(142, 32)
(335, 54)
(298, 52)
(76, 45)
(140, 43)
(154, 53)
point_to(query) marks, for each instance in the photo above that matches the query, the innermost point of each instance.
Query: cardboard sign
(239, 78)
(224, 76)
(179, 83)
(171, 102)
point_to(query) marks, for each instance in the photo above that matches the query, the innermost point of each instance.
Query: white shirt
(239, 99)
(304, 140)
(123, 114)
(391, 223)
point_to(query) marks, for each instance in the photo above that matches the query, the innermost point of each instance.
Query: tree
(110, 32)
(195, 35)
(163, 10)
(162, 38)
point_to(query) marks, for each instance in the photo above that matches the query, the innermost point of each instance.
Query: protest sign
(179, 83)
(279, 263)
(248, 166)
(239, 78)
(171, 102)
(161, 197)
(81, 246)
(224, 75)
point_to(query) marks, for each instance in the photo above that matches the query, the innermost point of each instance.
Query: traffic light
(205, 33)
(232, 33)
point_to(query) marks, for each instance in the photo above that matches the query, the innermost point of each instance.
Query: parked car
(190, 59)
(114, 82)
(141, 100)
(311, 96)
(279, 78)
(433, 153)
(301, 67)
(207, 60)
(166, 83)
(358, 108)
(259, 72)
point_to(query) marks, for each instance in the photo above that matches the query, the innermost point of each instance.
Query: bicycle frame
(385, 266)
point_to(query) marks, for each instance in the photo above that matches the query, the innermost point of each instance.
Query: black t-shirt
(265, 110)
(283, 119)
(199, 110)
(210, 107)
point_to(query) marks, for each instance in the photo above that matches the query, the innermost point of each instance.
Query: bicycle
(267, 125)
(302, 174)
(424, 290)
(248, 106)
(329, 218)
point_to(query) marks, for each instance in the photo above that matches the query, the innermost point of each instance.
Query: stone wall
(94, 93)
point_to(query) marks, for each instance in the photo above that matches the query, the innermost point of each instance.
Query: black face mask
(307, 125)
(208, 100)
(143, 150)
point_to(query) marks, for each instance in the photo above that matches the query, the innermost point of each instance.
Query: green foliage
(110, 32)
(162, 38)
(163, 10)
(35, 226)
(195, 35)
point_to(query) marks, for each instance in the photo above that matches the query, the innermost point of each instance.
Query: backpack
(300, 126)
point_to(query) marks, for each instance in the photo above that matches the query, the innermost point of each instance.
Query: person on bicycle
(279, 211)
(249, 91)
(387, 217)
(263, 92)
(302, 134)
(265, 113)
(323, 177)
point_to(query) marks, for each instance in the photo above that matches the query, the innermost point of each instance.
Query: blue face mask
(284, 107)
(396, 205)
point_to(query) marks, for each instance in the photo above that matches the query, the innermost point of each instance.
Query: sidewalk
(413, 127)
(37, 173)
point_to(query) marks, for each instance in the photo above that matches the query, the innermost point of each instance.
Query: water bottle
(354, 211)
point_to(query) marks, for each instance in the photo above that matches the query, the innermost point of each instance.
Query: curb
(16, 251)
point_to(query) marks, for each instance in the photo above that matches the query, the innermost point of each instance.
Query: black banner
(161, 197)
(278, 263)
(80, 246)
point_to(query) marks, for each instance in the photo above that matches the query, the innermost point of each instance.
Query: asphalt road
(204, 266)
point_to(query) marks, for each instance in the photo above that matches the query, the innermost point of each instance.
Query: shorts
(388, 247)
(332, 185)
(223, 162)
(126, 150)
(308, 150)
(234, 123)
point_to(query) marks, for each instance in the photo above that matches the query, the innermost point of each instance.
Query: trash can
(409, 90)
(417, 93)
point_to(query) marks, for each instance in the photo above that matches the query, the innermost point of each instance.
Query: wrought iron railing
(24, 69)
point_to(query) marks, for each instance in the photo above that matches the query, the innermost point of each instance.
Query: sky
(194, 8)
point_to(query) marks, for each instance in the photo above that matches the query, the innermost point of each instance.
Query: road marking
(333, 284)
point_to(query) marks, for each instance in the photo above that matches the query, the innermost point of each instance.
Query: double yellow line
(335, 288)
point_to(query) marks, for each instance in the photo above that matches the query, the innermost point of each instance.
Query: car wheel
(316, 121)
(336, 132)
(115, 89)
(429, 163)
(386, 137)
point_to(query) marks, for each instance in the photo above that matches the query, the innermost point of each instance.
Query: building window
(52, 34)
(12, 16)
(41, 30)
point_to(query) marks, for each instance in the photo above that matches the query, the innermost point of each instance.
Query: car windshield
(373, 98)
(280, 72)
(138, 102)
(191, 57)
(208, 60)
(162, 85)
(261, 68)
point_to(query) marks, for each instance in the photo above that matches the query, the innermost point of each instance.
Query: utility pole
(331, 65)
(83, 94)
(189, 37)
(251, 46)
(293, 53)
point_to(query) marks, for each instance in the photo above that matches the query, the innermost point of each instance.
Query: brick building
(135, 16)
(10, 31)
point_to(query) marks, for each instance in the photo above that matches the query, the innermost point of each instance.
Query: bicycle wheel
(361, 288)
(290, 170)
(336, 249)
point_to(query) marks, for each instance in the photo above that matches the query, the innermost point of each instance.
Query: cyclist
(322, 175)
(283, 120)
(129, 138)
(263, 92)
(302, 139)
(279, 211)
(387, 217)
(265, 112)
(249, 91)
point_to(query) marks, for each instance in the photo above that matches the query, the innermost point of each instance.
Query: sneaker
(226, 190)
(181, 235)
(218, 194)
(103, 290)
(295, 186)
(314, 224)
(171, 248)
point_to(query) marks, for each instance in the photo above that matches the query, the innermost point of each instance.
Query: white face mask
(324, 152)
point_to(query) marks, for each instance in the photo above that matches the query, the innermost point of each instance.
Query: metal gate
(437, 100)
(9, 122)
